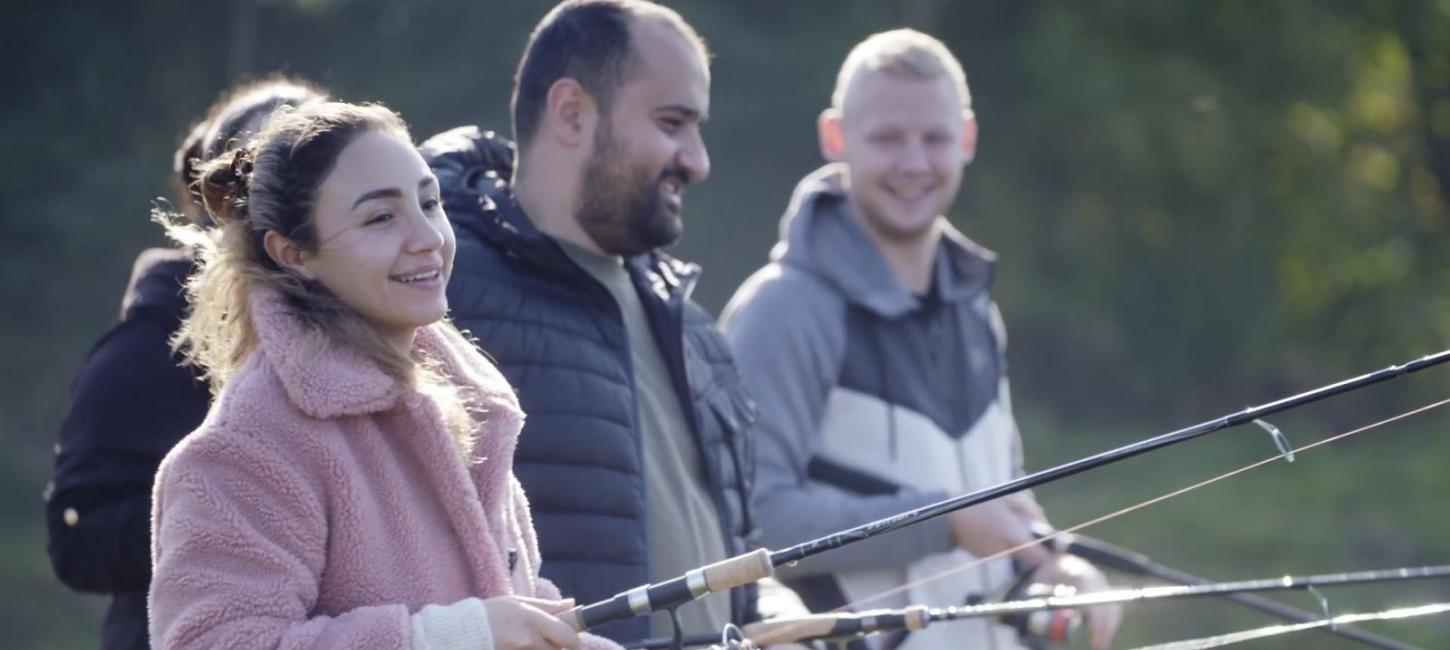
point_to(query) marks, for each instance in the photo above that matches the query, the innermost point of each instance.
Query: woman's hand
(519, 623)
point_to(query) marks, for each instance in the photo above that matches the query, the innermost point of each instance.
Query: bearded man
(634, 455)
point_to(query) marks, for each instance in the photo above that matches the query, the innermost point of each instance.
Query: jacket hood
(474, 169)
(158, 280)
(819, 235)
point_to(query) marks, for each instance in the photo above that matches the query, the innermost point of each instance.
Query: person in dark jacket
(133, 400)
(636, 453)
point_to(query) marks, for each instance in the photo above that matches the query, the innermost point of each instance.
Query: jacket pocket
(735, 415)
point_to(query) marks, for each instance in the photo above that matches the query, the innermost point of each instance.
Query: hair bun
(224, 183)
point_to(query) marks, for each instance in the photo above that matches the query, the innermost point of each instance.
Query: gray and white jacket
(874, 401)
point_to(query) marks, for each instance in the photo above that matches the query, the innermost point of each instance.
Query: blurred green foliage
(1199, 205)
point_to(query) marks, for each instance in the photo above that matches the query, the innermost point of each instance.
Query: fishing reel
(733, 638)
(1046, 629)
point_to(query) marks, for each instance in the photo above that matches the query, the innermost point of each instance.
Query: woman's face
(384, 245)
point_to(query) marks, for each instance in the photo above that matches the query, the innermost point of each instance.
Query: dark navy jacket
(131, 402)
(560, 340)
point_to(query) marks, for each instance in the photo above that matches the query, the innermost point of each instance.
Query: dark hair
(271, 183)
(584, 40)
(237, 114)
(587, 41)
(183, 164)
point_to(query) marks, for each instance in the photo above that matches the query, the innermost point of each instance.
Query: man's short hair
(587, 41)
(904, 54)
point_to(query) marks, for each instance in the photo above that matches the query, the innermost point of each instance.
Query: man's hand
(519, 623)
(995, 526)
(1076, 572)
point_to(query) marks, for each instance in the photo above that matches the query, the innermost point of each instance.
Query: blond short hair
(902, 53)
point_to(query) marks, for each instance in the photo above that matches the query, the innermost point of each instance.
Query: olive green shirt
(684, 524)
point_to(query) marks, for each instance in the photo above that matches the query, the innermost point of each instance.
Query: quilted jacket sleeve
(542, 587)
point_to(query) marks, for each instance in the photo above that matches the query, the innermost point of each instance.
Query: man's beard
(620, 208)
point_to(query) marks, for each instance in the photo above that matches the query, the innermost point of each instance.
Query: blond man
(878, 359)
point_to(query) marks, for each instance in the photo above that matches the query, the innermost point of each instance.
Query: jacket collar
(325, 379)
(821, 236)
(502, 223)
(157, 280)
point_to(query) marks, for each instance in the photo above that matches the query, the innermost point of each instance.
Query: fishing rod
(1102, 554)
(1397, 614)
(1105, 555)
(844, 626)
(847, 626)
(761, 563)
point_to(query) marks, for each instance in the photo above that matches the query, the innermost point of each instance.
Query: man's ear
(969, 137)
(570, 114)
(287, 254)
(832, 135)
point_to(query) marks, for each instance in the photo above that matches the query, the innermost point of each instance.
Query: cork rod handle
(739, 570)
(790, 630)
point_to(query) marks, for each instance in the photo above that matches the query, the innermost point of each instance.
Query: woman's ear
(287, 254)
(832, 135)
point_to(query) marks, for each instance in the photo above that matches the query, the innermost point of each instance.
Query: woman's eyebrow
(390, 192)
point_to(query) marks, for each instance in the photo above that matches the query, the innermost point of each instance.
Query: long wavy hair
(271, 184)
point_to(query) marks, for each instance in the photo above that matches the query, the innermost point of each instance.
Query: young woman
(133, 399)
(351, 486)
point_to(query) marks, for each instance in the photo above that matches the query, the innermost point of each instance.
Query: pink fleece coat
(321, 503)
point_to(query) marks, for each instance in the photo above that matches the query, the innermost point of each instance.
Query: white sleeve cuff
(460, 626)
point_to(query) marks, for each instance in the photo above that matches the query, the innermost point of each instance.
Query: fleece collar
(324, 379)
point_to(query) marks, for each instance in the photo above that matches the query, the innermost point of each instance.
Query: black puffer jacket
(131, 402)
(559, 338)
